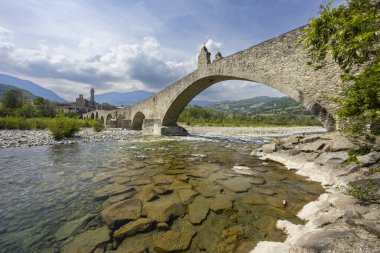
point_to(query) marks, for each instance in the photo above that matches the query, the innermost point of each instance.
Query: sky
(72, 45)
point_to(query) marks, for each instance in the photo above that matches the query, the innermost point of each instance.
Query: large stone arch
(183, 99)
(109, 117)
(137, 121)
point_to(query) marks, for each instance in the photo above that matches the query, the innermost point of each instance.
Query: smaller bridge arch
(102, 119)
(92, 116)
(96, 115)
(137, 121)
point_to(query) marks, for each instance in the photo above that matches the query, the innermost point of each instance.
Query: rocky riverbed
(27, 138)
(336, 222)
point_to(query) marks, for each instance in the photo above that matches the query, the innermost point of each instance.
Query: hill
(5, 87)
(261, 105)
(31, 87)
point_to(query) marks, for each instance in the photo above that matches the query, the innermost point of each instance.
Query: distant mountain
(5, 87)
(261, 105)
(123, 98)
(31, 87)
(133, 97)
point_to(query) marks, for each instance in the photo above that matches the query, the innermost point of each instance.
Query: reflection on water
(144, 195)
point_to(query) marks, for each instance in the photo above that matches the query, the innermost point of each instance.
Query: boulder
(133, 227)
(315, 146)
(332, 157)
(341, 143)
(198, 210)
(220, 203)
(174, 241)
(234, 184)
(164, 210)
(369, 159)
(269, 148)
(125, 210)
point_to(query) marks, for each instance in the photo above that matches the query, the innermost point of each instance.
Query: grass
(366, 192)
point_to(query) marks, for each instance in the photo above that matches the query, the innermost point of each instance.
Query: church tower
(204, 58)
(92, 97)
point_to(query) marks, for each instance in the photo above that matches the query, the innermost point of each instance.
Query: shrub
(366, 192)
(98, 126)
(63, 127)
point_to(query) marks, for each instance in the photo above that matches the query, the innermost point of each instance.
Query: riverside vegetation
(16, 112)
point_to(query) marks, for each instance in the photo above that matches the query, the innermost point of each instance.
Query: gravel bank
(252, 133)
(27, 138)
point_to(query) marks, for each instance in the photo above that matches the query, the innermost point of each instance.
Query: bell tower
(204, 57)
(92, 97)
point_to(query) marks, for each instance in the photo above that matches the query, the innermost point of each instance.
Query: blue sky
(69, 46)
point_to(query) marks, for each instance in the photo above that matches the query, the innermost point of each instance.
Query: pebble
(28, 138)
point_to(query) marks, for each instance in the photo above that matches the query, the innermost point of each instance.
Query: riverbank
(253, 133)
(336, 222)
(27, 138)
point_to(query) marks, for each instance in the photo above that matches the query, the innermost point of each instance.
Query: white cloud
(141, 64)
(213, 46)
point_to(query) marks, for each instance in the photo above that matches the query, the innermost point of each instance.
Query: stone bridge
(279, 63)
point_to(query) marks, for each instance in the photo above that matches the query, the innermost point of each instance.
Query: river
(54, 197)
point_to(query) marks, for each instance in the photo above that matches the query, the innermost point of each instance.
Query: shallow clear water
(51, 197)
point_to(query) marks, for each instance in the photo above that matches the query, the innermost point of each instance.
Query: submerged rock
(234, 184)
(174, 241)
(198, 210)
(129, 209)
(164, 210)
(220, 203)
(133, 227)
(87, 241)
(111, 190)
(71, 227)
(186, 195)
(161, 179)
(206, 190)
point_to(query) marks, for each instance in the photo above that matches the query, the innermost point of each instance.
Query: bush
(63, 127)
(98, 126)
(366, 192)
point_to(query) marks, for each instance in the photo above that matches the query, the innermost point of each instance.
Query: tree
(350, 34)
(13, 99)
(44, 107)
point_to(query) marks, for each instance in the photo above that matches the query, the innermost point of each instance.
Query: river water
(177, 194)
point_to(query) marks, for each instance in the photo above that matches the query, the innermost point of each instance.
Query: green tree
(45, 108)
(350, 34)
(13, 99)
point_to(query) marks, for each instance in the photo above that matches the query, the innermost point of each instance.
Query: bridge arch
(92, 116)
(102, 119)
(178, 104)
(109, 117)
(96, 115)
(137, 121)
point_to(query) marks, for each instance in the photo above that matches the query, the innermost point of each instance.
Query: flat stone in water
(141, 181)
(87, 241)
(206, 189)
(101, 177)
(234, 184)
(111, 190)
(120, 180)
(266, 191)
(220, 203)
(114, 199)
(198, 210)
(133, 227)
(181, 185)
(164, 210)
(125, 210)
(173, 241)
(70, 227)
(186, 195)
(138, 243)
(86, 175)
(161, 179)
(147, 194)
(252, 199)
